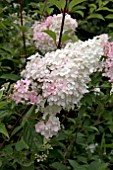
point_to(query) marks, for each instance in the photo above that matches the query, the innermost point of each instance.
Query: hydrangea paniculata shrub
(58, 80)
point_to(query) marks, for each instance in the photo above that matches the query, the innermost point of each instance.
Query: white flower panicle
(64, 74)
(42, 40)
(62, 78)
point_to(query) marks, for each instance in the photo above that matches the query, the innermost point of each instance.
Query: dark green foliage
(91, 125)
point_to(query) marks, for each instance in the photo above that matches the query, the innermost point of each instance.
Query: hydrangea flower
(61, 78)
(108, 64)
(25, 92)
(48, 128)
(64, 73)
(42, 40)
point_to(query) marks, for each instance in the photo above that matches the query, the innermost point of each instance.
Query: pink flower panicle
(108, 64)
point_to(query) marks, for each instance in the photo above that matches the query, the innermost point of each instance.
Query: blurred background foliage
(86, 139)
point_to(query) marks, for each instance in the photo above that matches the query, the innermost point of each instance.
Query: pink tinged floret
(108, 65)
(22, 86)
(25, 93)
(33, 98)
(48, 128)
(53, 88)
(108, 49)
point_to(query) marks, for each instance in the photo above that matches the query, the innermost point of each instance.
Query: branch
(62, 25)
(23, 35)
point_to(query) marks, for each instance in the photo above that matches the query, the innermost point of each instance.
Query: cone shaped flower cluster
(59, 80)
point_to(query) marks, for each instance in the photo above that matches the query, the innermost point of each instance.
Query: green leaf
(1, 93)
(31, 167)
(4, 103)
(1, 10)
(74, 3)
(102, 140)
(109, 16)
(93, 128)
(80, 13)
(76, 166)
(31, 137)
(58, 166)
(104, 9)
(97, 165)
(16, 130)
(2, 26)
(28, 114)
(20, 145)
(72, 120)
(51, 34)
(4, 113)
(50, 10)
(59, 4)
(78, 7)
(82, 159)
(1, 163)
(107, 145)
(93, 7)
(3, 130)
(95, 15)
(1, 35)
(73, 163)
(62, 3)
(55, 153)
(110, 25)
(100, 3)
(23, 29)
(10, 77)
(65, 37)
(106, 2)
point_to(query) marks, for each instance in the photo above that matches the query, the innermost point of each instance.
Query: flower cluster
(25, 92)
(108, 52)
(42, 40)
(61, 78)
(50, 128)
(108, 49)
(92, 147)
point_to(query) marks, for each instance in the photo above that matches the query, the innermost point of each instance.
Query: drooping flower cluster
(108, 52)
(50, 128)
(61, 78)
(42, 40)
